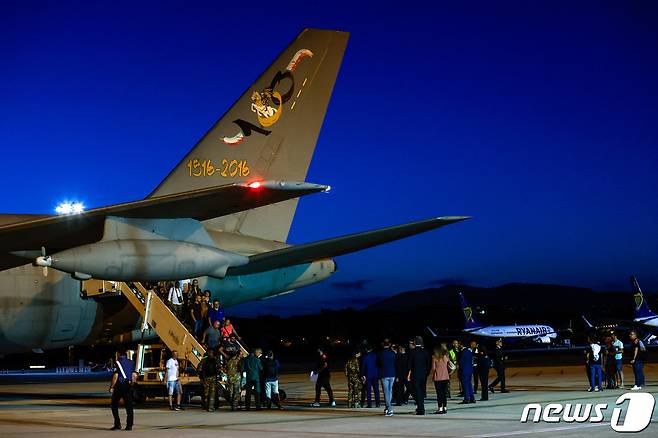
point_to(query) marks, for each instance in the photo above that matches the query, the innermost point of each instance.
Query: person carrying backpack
(208, 372)
(594, 358)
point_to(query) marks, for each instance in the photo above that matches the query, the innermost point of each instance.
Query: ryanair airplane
(537, 333)
(644, 318)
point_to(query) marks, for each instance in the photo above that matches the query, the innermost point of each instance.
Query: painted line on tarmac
(534, 431)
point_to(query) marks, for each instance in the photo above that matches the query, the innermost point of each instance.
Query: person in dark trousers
(441, 376)
(253, 368)
(410, 351)
(638, 357)
(121, 388)
(595, 360)
(386, 368)
(476, 376)
(499, 361)
(323, 379)
(370, 376)
(483, 365)
(609, 364)
(466, 365)
(457, 348)
(420, 363)
(401, 373)
(196, 317)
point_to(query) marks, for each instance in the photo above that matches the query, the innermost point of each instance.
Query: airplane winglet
(287, 186)
(454, 219)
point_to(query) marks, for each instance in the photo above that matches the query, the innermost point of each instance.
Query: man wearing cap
(499, 360)
(121, 388)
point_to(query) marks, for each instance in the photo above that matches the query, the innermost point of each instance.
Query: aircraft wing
(298, 254)
(633, 325)
(61, 232)
(620, 324)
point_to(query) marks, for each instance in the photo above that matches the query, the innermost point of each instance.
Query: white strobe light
(67, 207)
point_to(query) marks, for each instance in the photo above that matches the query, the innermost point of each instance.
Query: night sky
(539, 119)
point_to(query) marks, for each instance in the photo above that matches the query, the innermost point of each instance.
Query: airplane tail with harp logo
(641, 307)
(469, 320)
(268, 134)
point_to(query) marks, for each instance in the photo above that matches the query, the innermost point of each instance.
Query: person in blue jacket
(386, 364)
(466, 366)
(370, 376)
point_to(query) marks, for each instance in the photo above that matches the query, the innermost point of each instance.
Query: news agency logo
(638, 412)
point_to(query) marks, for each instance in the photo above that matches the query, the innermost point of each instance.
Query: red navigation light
(255, 185)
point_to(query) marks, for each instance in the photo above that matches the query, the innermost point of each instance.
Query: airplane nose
(44, 261)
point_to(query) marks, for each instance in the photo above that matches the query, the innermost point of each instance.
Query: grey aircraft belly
(222, 214)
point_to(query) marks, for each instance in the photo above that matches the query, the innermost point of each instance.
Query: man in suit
(466, 365)
(499, 360)
(420, 364)
(370, 376)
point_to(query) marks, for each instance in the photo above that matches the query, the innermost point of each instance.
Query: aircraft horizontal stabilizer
(299, 254)
(62, 232)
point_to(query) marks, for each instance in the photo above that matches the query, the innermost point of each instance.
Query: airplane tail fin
(268, 134)
(586, 321)
(641, 307)
(469, 320)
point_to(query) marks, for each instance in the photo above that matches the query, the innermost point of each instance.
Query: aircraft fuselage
(651, 321)
(49, 312)
(541, 333)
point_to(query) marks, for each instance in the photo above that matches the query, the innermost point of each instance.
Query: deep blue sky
(539, 119)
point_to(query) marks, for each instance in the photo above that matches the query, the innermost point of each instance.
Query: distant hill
(513, 302)
(409, 314)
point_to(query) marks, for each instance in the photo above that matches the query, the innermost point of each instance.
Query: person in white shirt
(175, 299)
(173, 382)
(619, 351)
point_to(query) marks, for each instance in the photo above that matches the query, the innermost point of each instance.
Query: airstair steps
(156, 315)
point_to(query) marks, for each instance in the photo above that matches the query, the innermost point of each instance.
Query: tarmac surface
(81, 409)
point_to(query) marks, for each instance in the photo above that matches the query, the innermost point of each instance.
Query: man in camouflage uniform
(354, 382)
(208, 372)
(234, 377)
(199, 372)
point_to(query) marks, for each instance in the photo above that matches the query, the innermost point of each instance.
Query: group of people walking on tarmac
(474, 363)
(403, 373)
(255, 374)
(604, 362)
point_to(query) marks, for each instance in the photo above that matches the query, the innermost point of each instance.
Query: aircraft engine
(543, 339)
(142, 260)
